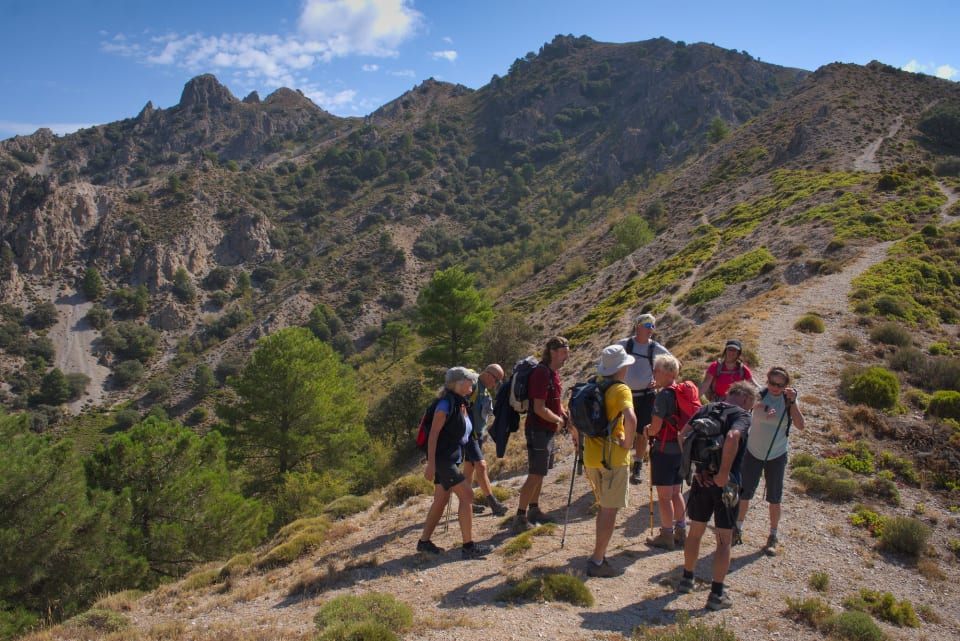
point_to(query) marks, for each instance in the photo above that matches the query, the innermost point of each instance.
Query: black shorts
(473, 450)
(540, 449)
(705, 502)
(665, 463)
(448, 474)
(643, 407)
(773, 472)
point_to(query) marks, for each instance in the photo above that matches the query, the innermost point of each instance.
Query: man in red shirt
(544, 418)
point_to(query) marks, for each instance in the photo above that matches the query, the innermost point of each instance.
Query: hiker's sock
(595, 562)
(534, 507)
(773, 532)
(740, 525)
(716, 587)
(522, 513)
(680, 524)
(687, 574)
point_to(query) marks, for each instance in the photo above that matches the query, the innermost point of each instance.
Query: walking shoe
(521, 524)
(719, 601)
(603, 571)
(536, 516)
(737, 536)
(679, 536)
(685, 585)
(663, 540)
(476, 551)
(636, 476)
(428, 547)
(771, 547)
(498, 508)
(477, 508)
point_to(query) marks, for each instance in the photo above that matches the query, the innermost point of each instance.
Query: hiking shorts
(448, 474)
(473, 450)
(643, 406)
(705, 502)
(773, 472)
(540, 449)
(665, 465)
(609, 486)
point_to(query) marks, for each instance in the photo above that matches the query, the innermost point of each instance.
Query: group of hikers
(650, 416)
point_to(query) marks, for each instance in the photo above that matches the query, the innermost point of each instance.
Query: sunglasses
(648, 325)
(776, 384)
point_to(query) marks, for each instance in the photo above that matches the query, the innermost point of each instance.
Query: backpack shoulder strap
(650, 346)
(630, 345)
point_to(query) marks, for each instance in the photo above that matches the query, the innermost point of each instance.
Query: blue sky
(74, 63)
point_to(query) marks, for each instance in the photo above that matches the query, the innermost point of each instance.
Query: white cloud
(370, 68)
(403, 73)
(372, 27)
(940, 71)
(336, 102)
(328, 29)
(946, 72)
(444, 55)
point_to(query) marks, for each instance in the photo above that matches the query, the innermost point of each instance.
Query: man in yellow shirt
(607, 459)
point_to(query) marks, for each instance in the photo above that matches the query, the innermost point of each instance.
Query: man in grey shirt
(640, 379)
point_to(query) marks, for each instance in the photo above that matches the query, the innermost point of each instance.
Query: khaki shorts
(609, 486)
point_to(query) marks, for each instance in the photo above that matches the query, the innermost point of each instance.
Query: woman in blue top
(449, 432)
(767, 450)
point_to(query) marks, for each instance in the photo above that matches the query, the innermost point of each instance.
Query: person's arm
(629, 428)
(730, 446)
(705, 384)
(439, 420)
(656, 423)
(793, 406)
(540, 409)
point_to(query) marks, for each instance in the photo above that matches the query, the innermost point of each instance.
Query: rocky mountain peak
(206, 91)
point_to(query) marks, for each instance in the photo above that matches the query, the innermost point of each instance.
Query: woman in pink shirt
(724, 372)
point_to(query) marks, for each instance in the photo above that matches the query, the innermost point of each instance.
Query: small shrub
(890, 306)
(524, 541)
(819, 581)
(812, 612)
(826, 479)
(100, 620)
(939, 349)
(683, 630)
(874, 387)
(908, 359)
(929, 569)
(405, 487)
(883, 485)
(809, 324)
(884, 606)
(848, 343)
(945, 404)
(905, 535)
(891, 334)
(868, 519)
(854, 626)
(550, 586)
(347, 506)
(858, 457)
(368, 617)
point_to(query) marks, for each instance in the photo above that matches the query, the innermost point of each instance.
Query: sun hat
(457, 374)
(612, 358)
(734, 343)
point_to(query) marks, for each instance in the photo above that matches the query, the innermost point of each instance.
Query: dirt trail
(73, 338)
(867, 161)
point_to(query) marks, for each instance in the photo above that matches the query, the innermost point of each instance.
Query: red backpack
(688, 402)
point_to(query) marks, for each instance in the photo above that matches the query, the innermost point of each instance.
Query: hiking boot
(536, 516)
(685, 585)
(737, 538)
(521, 523)
(636, 476)
(663, 540)
(477, 508)
(498, 508)
(771, 547)
(603, 571)
(476, 551)
(719, 601)
(679, 536)
(428, 547)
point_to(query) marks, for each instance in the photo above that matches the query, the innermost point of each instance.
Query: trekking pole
(650, 465)
(573, 477)
(446, 524)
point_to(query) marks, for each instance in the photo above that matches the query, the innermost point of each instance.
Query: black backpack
(519, 381)
(423, 432)
(703, 445)
(588, 409)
